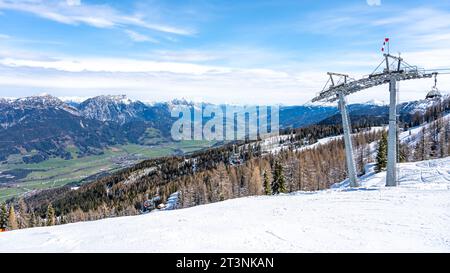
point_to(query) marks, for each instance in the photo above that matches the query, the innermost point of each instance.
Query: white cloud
(187, 55)
(157, 81)
(410, 29)
(138, 37)
(100, 16)
(73, 2)
(374, 2)
(114, 65)
(149, 80)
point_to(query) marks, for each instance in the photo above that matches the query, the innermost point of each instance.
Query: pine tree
(254, 184)
(420, 147)
(3, 217)
(32, 221)
(267, 189)
(442, 142)
(382, 153)
(425, 144)
(50, 215)
(403, 152)
(278, 183)
(23, 218)
(361, 160)
(434, 139)
(12, 221)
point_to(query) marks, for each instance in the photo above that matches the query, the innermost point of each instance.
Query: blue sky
(219, 51)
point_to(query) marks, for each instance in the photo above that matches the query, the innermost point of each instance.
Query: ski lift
(434, 93)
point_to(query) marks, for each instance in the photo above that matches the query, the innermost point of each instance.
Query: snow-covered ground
(413, 217)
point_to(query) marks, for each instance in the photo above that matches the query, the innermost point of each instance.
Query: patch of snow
(320, 104)
(172, 201)
(135, 177)
(73, 99)
(376, 102)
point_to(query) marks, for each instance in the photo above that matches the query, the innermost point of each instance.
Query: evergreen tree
(403, 152)
(267, 188)
(50, 215)
(382, 153)
(442, 142)
(23, 218)
(3, 217)
(32, 222)
(12, 221)
(278, 183)
(361, 160)
(421, 147)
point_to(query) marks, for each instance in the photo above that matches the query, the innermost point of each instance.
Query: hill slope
(412, 217)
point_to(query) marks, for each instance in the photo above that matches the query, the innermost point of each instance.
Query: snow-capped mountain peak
(42, 100)
(111, 108)
(376, 102)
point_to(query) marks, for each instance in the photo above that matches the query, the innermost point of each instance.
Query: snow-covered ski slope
(414, 217)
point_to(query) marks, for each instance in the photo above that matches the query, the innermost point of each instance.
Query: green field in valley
(57, 172)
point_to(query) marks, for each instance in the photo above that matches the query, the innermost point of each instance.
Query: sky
(245, 52)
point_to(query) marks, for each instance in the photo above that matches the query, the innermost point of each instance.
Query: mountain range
(41, 127)
(44, 126)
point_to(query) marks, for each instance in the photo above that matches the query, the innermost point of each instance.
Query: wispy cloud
(235, 86)
(185, 55)
(410, 28)
(73, 2)
(113, 65)
(74, 13)
(374, 2)
(138, 37)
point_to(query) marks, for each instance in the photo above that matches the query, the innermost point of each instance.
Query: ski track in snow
(413, 217)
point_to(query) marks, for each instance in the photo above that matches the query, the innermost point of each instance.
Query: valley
(17, 177)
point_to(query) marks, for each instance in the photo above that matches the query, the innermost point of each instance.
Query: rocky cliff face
(113, 108)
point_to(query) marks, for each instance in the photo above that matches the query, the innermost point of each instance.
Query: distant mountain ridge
(40, 127)
(44, 126)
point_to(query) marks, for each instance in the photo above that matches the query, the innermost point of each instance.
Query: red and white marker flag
(386, 42)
